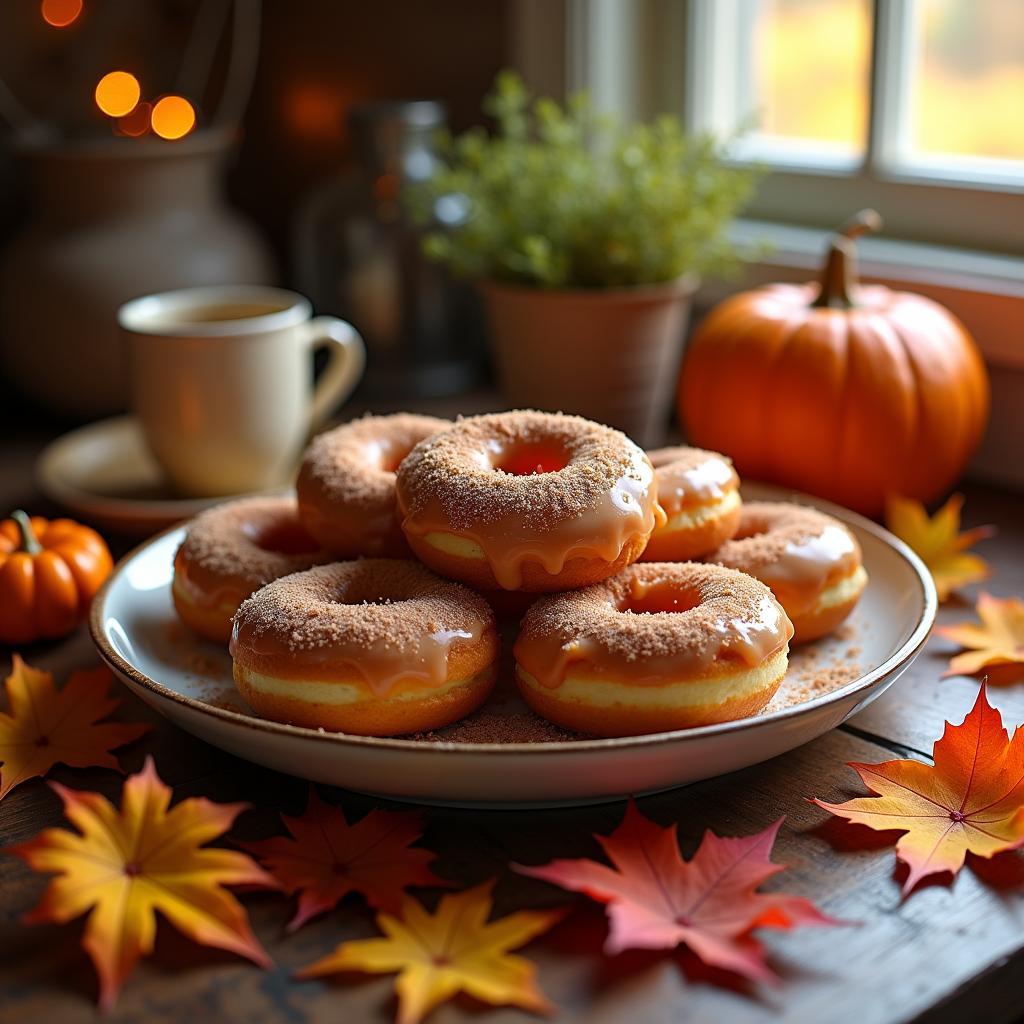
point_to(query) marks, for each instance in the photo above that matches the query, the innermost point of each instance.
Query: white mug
(222, 382)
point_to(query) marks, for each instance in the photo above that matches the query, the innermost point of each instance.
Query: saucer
(104, 474)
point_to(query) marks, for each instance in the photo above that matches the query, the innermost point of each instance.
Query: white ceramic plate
(189, 680)
(104, 474)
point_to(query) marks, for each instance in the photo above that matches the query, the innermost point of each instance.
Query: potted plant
(587, 238)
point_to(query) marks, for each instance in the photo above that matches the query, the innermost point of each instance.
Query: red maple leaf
(656, 900)
(326, 858)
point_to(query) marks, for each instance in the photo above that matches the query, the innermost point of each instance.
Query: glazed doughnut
(231, 550)
(699, 492)
(346, 485)
(811, 562)
(527, 501)
(661, 646)
(375, 647)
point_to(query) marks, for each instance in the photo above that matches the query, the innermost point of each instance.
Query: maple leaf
(326, 858)
(455, 949)
(970, 801)
(996, 642)
(939, 542)
(46, 726)
(656, 900)
(122, 866)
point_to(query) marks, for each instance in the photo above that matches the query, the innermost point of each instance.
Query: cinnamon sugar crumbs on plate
(487, 726)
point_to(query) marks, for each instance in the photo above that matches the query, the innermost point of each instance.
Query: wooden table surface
(945, 954)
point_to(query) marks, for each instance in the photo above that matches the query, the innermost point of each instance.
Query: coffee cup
(222, 382)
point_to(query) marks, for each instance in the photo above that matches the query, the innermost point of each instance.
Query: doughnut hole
(658, 598)
(284, 538)
(530, 460)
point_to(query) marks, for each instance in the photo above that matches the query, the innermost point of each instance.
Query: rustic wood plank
(902, 959)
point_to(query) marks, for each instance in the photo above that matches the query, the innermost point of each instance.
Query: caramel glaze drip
(797, 551)
(600, 498)
(653, 623)
(691, 476)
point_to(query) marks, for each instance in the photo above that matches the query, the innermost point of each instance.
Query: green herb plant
(562, 197)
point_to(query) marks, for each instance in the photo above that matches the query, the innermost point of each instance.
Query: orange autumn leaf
(45, 726)
(455, 949)
(970, 801)
(326, 858)
(939, 542)
(121, 867)
(996, 642)
(656, 900)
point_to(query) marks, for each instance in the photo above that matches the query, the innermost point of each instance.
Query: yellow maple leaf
(995, 643)
(454, 949)
(120, 867)
(939, 542)
(46, 726)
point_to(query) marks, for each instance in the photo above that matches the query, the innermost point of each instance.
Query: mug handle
(346, 357)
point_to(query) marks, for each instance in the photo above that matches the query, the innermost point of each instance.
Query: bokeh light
(117, 93)
(136, 122)
(60, 13)
(172, 117)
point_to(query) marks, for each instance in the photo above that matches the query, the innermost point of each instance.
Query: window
(915, 106)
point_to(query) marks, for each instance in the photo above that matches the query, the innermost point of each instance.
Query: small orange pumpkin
(49, 573)
(851, 392)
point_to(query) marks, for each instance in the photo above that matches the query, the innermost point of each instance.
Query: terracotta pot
(610, 355)
(112, 220)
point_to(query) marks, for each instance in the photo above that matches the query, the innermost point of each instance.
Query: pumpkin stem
(839, 277)
(29, 542)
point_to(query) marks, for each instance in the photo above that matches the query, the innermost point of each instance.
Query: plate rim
(862, 684)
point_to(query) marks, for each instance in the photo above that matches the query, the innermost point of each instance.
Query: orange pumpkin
(851, 392)
(49, 573)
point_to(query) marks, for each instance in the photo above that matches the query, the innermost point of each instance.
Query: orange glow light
(60, 13)
(316, 113)
(136, 122)
(172, 117)
(117, 93)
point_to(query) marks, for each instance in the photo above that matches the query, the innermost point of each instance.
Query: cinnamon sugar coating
(388, 603)
(346, 484)
(722, 614)
(388, 621)
(223, 542)
(454, 469)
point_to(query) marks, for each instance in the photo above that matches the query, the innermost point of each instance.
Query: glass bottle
(359, 256)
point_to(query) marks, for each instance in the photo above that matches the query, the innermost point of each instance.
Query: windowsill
(984, 290)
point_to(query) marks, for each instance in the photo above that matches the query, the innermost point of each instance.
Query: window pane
(966, 87)
(809, 68)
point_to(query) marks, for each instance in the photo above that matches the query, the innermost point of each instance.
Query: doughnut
(661, 646)
(231, 550)
(375, 647)
(699, 492)
(346, 484)
(811, 562)
(528, 501)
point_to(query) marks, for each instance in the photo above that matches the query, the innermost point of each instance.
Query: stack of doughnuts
(654, 599)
